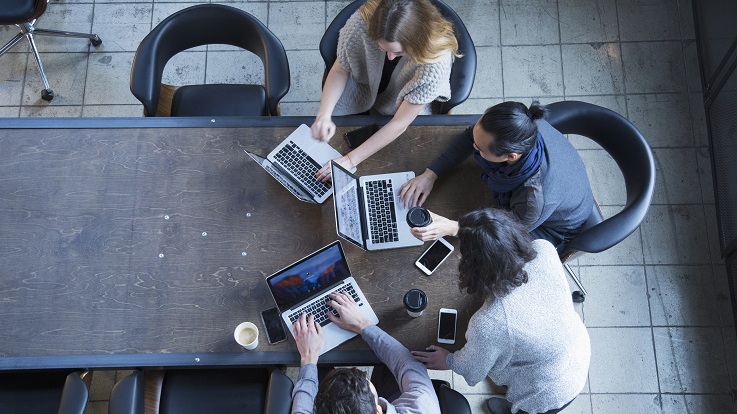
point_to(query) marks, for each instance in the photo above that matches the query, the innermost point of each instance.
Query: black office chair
(231, 390)
(23, 13)
(201, 25)
(629, 149)
(55, 392)
(463, 71)
(451, 401)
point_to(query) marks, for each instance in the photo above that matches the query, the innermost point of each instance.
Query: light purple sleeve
(303, 396)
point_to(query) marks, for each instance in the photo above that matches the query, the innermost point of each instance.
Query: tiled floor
(659, 313)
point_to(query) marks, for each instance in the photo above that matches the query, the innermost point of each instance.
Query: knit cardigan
(416, 83)
(531, 340)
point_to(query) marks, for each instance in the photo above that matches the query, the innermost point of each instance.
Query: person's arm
(406, 113)
(309, 339)
(440, 227)
(527, 201)
(324, 128)
(485, 343)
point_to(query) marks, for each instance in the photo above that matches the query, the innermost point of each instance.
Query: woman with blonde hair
(394, 58)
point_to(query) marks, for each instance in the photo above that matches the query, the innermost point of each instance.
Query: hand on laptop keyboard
(325, 173)
(351, 317)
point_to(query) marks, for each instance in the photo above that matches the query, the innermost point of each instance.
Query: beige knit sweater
(362, 57)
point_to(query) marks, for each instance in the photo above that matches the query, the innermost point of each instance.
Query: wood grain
(141, 241)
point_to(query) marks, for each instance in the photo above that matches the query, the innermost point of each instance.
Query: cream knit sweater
(362, 57)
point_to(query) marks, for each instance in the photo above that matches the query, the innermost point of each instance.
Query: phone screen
(447, 329)
(272, 322)
(434, 255)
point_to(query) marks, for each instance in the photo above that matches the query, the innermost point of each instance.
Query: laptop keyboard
(320, 309)
(382, 219)
(293, 159)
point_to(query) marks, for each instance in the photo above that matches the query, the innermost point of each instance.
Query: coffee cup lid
(415, 300)
(418, 217)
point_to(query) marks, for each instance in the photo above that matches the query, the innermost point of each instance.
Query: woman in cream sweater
(394, 58)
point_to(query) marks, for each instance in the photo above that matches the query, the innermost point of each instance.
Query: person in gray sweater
(529, 166)
(526, 335)
(394, 57)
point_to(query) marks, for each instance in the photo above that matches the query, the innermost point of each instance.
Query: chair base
(28, 30)
(578, 296)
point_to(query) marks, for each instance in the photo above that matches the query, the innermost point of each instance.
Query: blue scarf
(502, 178)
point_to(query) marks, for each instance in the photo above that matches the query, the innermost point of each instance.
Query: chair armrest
(74, 396)
(609, 232)
(127, 395)
(279, 394)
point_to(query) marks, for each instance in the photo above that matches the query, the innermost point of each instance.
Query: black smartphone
(434, 256)
(359, 136)
(275, 332)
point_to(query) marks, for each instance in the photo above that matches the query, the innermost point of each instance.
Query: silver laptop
(295, 162)
(368, 212)
(305, 285)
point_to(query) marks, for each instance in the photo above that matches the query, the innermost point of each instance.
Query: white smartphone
(447, 326)
(434, 256)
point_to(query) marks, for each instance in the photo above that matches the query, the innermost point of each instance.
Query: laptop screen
(309, 276)
(347, 207)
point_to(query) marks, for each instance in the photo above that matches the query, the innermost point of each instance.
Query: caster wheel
(578, 297)
(47, 95)
(96, 41)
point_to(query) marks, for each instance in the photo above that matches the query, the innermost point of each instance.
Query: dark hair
(345, 391)
(494, 250)
(513, 126)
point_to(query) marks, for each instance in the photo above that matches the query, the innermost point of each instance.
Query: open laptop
(368, 212)
(295, 162)
(304, 286)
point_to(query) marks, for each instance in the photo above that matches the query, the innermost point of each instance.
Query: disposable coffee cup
(418, 217)
(246, 334)
(415, 301)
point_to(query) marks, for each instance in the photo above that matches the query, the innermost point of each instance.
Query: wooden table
(144, 242)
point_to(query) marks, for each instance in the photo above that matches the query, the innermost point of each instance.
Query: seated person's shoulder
(355, 26)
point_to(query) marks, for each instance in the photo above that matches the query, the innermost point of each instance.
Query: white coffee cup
(246, 334)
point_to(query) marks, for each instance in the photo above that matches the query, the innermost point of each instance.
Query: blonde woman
(394, 58)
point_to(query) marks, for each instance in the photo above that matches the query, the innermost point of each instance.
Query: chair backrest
(629, 149)
(127, 395)
(463, 71)
(43, 392)
(21, 11)
(202, 25)
(451, 401)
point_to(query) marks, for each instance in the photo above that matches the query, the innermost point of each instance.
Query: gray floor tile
(699, 119)
(703, 160)
(186, 68)
(488, 81)
(122, 26)
(96, 407)
(299, 108)
(653, 67)
(685, 10)
(51, 111)
(730, 349)
(626, 403)
(682, 295)
(581, 405)
(125, 111)
(691, 60)
(677, 176)
(532, 71)
(617, 296)
(65, 72)
(663, 119)
(691, 360)
(685, 403)
(675, 235)
(626, 252)
(68, 18)
(298, 25)
(529, 22)
(605, 177)
(332, 8)
(592, 69)
(724, 301)
(585, 21)
(481, 18)
(11, 78)
(306, 68)
(622, 361)
(102, 384)
(240, 67)
(9, 111)
(475, 106)
(108, 79)
(661, 15)
(712, 232)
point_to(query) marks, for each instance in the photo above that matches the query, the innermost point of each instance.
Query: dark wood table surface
(144, 243)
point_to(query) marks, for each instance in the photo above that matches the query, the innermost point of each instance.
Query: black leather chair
(451, 401)
(629, 149)
(232, 390)
(210, 24)
(463, 71)
(23, 13)
(59, 392)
